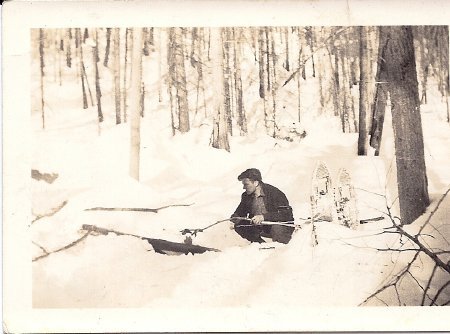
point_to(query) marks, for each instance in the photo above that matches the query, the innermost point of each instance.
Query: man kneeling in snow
(262, 202)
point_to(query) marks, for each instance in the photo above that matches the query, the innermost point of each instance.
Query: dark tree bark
(381, 95)
(364, 104)
(146, 43)
(286, 39)
(68, 49)
(81, 65)
(409, 148)
(97, 79)
(262, 89)
(86, 35)
(108, 43)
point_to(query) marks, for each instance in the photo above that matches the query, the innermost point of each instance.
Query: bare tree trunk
(242, 121)
(336, 85)
(443, 49)
(172, 78)
(108, 43)
(60, 49)
(273, 66)
(364, 104)
(262, 89)
(97, 80)
(424, 63)
(84, 78)
(286, 39)
(409, 148)
(320, 77)
(176, 43)
(116, 71)
(381, 95)
(226, 79)
(142, 100)
(42, 65)
(300, 65)
(195, 63)
(159, 30)
(68, 51)
(220, 132)
(85, 35)
(81, 66)
(135, 98)
(310, 39)
(145, 39)
(124, 94)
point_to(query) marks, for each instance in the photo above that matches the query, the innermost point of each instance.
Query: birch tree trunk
(220, 132)
(135, 105)
(116, 72)
(242, 121)
(407, 124)
(180, 75)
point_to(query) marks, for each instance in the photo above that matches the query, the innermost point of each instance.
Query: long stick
(136, 209)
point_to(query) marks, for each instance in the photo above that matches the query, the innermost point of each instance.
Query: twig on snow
(51, 213)
(62, 248)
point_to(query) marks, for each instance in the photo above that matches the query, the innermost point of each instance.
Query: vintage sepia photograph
(226, 168)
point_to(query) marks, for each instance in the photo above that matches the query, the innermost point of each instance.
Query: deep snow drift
(122, 271)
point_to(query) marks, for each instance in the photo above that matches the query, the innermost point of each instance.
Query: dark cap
(252, 174)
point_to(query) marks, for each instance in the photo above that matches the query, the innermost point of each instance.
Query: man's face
(249, 185)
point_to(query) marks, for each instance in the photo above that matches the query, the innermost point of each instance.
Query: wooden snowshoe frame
(346, 200)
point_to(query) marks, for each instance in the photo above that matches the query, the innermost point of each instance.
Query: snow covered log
(159, 245)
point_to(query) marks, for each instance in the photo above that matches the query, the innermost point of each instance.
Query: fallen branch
(47, 253)
(136, 209)
(51, 213)
(159, 245)
(370, 220)
(418, 246)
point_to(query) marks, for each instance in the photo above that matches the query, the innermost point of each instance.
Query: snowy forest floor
(122, 271)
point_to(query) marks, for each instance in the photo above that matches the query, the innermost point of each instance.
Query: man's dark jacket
(275, 201)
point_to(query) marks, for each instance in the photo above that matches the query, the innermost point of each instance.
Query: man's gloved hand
(258, 219)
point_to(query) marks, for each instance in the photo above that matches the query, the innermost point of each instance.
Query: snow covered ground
(123, 271)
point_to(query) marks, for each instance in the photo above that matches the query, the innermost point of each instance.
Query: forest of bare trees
(232, 77)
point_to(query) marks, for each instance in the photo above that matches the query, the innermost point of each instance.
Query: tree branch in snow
(419, 246)
(137, 209)
(51, 213)
(47, 253)
(159, 245)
